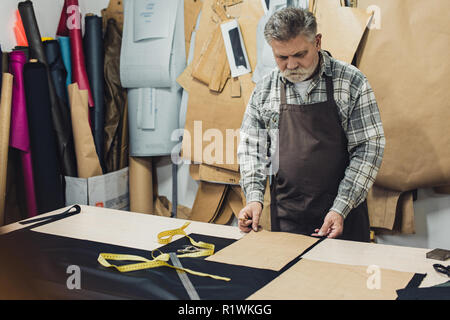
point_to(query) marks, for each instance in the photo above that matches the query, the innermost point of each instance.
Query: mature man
(330, 138)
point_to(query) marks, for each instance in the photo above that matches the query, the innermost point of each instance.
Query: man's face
(297, 58)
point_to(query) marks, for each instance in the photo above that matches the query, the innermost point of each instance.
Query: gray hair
(289, 23)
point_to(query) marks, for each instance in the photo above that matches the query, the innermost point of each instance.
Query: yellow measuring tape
(161, 260)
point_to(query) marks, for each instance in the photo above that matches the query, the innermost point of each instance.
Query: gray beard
(299, 74)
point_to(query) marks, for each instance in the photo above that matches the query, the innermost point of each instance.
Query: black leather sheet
(45, 259)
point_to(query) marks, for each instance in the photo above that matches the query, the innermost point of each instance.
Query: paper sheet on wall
(264, 249)
(314, 280)
(153, 112)
(146, 63)
(151, 19)
(162, 114)
(412, 89)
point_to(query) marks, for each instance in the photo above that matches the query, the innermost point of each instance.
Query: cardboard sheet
(314, 280)
(208, 201)
(391, 210)
(412, 89)
(218, 175)
(212, 67)
(264, 249)
(192, 9)
(108, 191)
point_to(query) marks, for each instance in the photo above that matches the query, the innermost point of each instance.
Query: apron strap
(283, 93)
(330, 89)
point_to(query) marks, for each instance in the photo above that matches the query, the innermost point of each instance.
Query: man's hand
(333, 226)
(249, 217)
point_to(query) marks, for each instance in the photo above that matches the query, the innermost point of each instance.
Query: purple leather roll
(19, 135)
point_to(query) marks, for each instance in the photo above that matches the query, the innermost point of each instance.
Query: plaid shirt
(360, 119)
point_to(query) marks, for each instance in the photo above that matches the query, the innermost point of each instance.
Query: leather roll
(19, 136)
(32, 32)
(64, 44)
(57, 69)
(25, 50)
(60, 113)
(93, 48)
(115, 100)
(79, 74)
(1, 66)
(43, 141)
(5, 61)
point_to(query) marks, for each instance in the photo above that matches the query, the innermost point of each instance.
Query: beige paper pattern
(315, 280)
(220, 112)
(208, 201)
(398, 258)
(191, 10)
(5, 124)
(218, 175)
(264, 250)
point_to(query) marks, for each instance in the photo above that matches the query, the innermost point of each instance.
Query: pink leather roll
(19, 136)
(70, 25)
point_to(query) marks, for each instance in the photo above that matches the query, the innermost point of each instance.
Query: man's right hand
(249, 217)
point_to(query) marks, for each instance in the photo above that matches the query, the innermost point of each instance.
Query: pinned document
(235, 48)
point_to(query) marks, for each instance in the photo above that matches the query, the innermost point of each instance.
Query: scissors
(188, 249)
(442, 269)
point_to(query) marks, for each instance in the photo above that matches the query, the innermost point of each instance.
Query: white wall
(432, 211)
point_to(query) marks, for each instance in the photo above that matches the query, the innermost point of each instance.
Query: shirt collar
(325, 67)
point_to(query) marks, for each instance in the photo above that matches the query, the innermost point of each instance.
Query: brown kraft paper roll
(5, 121)
(141, 185)
(87, 160)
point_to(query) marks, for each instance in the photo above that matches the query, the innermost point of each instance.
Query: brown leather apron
(313, 158)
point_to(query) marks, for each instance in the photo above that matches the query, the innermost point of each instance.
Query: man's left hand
(333, 226)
